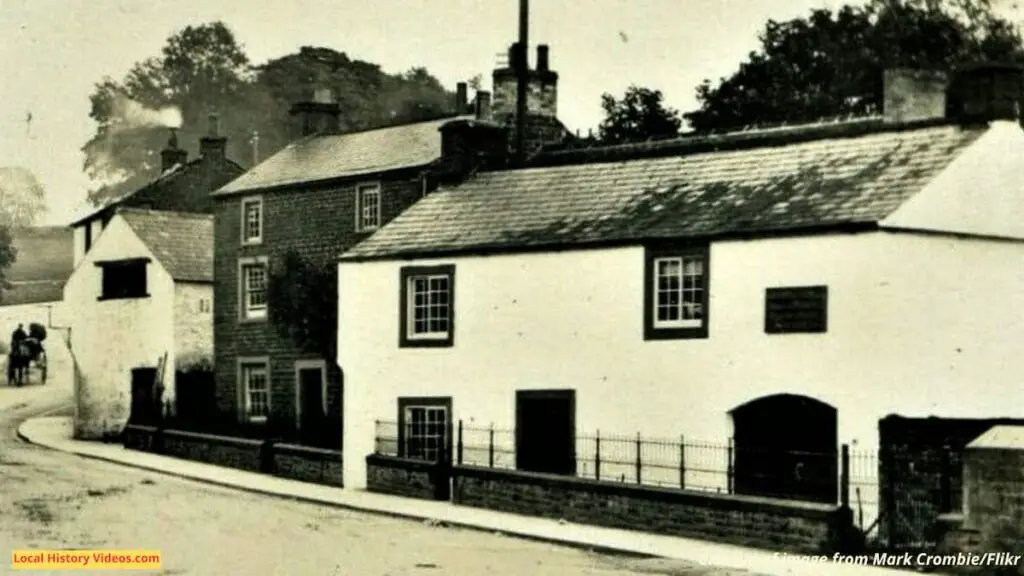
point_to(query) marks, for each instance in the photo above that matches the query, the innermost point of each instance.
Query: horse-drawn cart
(22, 357)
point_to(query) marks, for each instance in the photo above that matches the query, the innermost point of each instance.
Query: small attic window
(122, 279)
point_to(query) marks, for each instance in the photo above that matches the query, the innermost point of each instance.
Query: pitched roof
(181, 241)
(171, 173)
(834, 181)
(328, 157)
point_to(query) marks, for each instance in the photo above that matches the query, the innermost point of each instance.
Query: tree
(8, 254)
(302, 300)
(640, 115)
(830, 64)
(22, 199)
(203, 69)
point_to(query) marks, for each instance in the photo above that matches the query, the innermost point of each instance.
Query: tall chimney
(910, 95)
(483, 105)
(522, 67)
(461, 98)
(213, 145)
(318, 115)
(542, 58)
(172, 155)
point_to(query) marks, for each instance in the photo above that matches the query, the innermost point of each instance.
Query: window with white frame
(255, 378)
(428, 299)
(424, 428)
(677, 293)
(254, 289)
(252, 221)
(368, 206)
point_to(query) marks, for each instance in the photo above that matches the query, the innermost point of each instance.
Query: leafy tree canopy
(302, 303)
(639, 115)
(830, 63)
(203, 69)
(22, 199)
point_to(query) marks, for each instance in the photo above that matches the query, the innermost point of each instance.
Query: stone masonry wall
(399, 477)
(308, 464)
(320, 223)
(231, 452)
(744, 521)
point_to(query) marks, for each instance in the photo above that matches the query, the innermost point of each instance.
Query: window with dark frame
(676, 292)
(368, 207)
(252, 221)
(424, 428)
(427, 300)
(123, 279)
(796, 310)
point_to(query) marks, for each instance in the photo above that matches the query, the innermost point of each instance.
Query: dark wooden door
(311, 395)
(145, 405)
(546, 431)
(785, 446)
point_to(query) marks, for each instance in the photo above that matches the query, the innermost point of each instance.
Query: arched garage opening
(785, 446)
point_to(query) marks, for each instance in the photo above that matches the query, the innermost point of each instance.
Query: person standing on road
(18, 336)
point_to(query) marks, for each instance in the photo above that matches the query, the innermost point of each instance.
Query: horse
(18, 361)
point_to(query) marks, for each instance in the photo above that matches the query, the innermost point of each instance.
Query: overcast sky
(53, 51)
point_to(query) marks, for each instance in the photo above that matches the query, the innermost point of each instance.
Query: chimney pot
(542, 57)
(214, 125)
(172, 155)
(461, 97)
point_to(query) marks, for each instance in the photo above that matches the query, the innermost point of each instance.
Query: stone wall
(993, 494)
(742, 520)
(400, 477)
(240, 453)
(308, 464)
(303, 463)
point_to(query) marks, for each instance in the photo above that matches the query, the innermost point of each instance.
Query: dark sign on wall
(802, 309)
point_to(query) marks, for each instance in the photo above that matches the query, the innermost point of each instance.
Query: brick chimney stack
(213, 145)
(172, 155)
(461, 98)
(318, 115)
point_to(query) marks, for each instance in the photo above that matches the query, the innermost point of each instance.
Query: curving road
(53, 500)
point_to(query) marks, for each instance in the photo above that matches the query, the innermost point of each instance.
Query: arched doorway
(785, 446)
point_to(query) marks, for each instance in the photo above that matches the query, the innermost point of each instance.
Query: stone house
(143, 292)
(319, 196)
(783, 288)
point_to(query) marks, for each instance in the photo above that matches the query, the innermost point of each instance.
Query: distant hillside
(45, 261)
(44, 253)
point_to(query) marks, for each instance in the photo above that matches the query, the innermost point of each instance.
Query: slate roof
(810, 183)
(171, 173)
(328, 157)
(181, 241)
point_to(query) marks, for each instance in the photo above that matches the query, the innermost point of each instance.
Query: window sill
(407, 342)
(700, 333)
(133, 297)
(252, 242)
(252, 320)
(256, 419)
